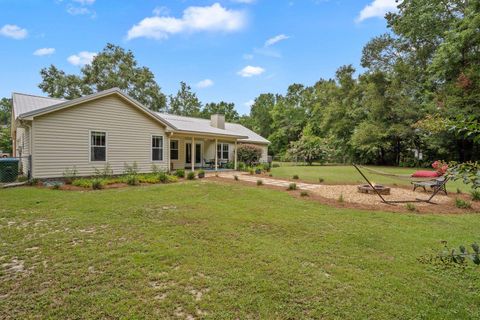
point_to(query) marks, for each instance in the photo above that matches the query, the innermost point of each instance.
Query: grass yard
(224, 251)
(349, 175)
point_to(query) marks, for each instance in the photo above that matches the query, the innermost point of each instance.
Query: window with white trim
(173, 149)
(222, 151)
(98, 146)
(157, 148)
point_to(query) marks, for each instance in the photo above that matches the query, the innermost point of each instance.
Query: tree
(112, 67)
(309, 148)
(5, 111)
(225, 108)
(185, 102)
(260, 114)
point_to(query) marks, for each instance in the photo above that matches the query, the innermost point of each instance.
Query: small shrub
(22, 178)
(191, 175)
(235, 177)
(451, 257)
(295, 177)
(411, 207)
(82, 183)
(258, 170)
(97, 184)
(56, 186)
(70, 174)
(130, 170)
(148, 178)
(304, 194)
(251, 171)
(321, 180)
(292, 186)
(249, 153)
(475, 195)
(33, 182)
(266, 166)
(104, 172)
(201, 173)
(259, 182)
(132, 180)
(180, 173)
(162, 177)
(155, 169)
(270, 175)
(459, 191)
(340, 199)
(462, 204)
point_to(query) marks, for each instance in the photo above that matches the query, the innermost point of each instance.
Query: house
(109, 127)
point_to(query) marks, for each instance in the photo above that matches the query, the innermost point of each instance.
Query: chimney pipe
(217, 121)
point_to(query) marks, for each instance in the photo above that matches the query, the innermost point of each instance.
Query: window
(174, 150)
(98, 146)
(157, 148)
(222, 151)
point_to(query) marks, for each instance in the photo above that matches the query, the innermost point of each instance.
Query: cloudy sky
(229, 50)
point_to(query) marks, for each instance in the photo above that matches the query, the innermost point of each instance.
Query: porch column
(167, 147)
(193, 153)
(216, 154)
(236, 155)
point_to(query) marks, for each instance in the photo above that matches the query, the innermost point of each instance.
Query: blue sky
(229, 50)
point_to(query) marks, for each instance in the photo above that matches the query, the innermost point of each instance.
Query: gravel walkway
(348, 192)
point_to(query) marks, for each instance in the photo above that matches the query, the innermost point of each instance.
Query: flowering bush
(440, 166)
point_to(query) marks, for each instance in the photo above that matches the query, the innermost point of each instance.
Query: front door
(198, 154)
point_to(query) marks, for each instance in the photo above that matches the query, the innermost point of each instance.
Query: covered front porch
(193, 152)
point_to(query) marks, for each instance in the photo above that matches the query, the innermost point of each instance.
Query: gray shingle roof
(23, 103)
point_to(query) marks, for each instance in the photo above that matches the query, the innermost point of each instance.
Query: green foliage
(292, 186)
(295, 177)
(70, 174)
(180, 173)
(97, 184)
(309, 149)
(131, 174)
(321, 180)
(411, 207)
(249, 153)
(162, 177)
(104, 172)
(259, 182)
(462, 204)
(191, 175)
(132, 180)
(56, 186)
(201, 173)
(227, 109)
(451, 257)
(235, 177)
(475, 195)
(112, 67)
(304, 194)
(185, 102)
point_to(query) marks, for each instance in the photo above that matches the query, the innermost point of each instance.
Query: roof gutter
(201, 133)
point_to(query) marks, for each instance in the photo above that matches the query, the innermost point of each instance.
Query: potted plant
(201, 174)
(258, 170)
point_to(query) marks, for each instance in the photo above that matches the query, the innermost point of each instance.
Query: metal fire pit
(365, 188)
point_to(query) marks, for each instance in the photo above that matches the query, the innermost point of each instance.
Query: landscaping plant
(191, 175)
(259, 182)
(462, 204)
(292, 186)
(180, 173)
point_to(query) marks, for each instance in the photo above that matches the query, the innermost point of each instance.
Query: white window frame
(162, 148)
(178, 149)
(90, 146)
(221, 144)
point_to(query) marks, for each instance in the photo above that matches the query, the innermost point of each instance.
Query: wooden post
(216, 154)
(193, 153)
(236, 167)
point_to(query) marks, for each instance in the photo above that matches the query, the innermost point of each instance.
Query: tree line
(416, 99)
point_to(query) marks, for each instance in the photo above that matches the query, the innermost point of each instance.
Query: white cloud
(248, 56)
(44, 51)
(84, 2)
(273, 40)
(205, 83)
(377, 9)
(13, 31)
(194, 19)
(82, 58)
(249, 103)
(250, 71)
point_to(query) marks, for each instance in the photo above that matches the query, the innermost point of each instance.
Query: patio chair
(435, 184)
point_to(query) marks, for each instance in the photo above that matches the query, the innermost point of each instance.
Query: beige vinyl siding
(23, 144)
(62, 138)
(180, 163)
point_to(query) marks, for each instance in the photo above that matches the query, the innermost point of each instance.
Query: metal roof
(23, 103)
(26, 105)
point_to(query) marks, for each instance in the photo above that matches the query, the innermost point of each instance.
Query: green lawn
(349, 175)
(223, 252)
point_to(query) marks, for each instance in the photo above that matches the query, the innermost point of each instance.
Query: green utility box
(8, 169)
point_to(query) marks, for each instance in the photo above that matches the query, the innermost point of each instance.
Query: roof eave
(210, 134)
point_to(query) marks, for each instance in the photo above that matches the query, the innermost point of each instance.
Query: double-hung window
(173, 149)
(157, 148)
(222, 151)
(98, 146)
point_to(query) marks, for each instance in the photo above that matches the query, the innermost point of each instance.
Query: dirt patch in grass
(344, 196)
